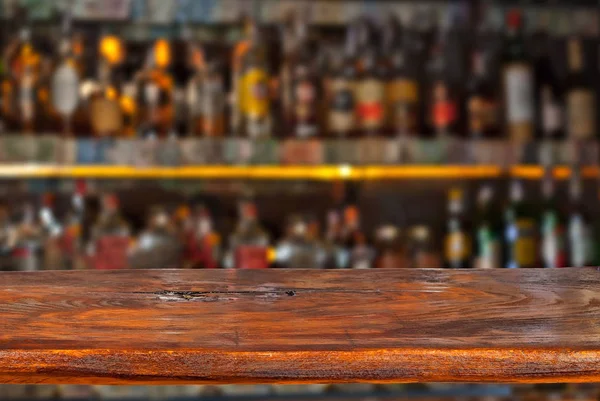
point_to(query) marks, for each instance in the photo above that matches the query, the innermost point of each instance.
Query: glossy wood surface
(284, 326)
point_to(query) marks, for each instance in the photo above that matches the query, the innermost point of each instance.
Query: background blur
(299, 134)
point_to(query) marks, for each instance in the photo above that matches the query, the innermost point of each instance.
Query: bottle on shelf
(550, 120)
(520, 234)
(518, 81)
(580, 98)
(157, 246)
(20, 92)
(51, 231)
(423, 252)
(299, 249)
(482, 103)
(66, 79)
(370, 89)
(443, 97)
(110, 237)
(579, 243)
(488, 231)
(552, 228)
(28, 245)
(252, 116)
(71, 240)
(403, 89)
(8, 238)
(338, 256)
(457, 244)
(203, 243)
(212, 101)
(304, 113)
(360, 254)
(391, 253)
(340, 89)
(157, 93)
(249, 243)
(106, 117)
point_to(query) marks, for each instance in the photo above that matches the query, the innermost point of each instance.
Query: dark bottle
(391, 253)
(300, 249)
(552, 229)
(579, 241)
(482, 102)
(249, 243)
(212, 101)
(520, 234)
(488, 231)
(580, 98)
(457, 244)
(370, 91)
(402, 89)
(305, 93)
(423, 251)
(443, 104)
(518, 81)
(361, 254)
(548, 92)
(340, 89)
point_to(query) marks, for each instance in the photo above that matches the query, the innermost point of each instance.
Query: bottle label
(341, 111)
(581, 109)
(521, 236)
(251, 257)
(482, 114)
(254, 91)
(213, 99)
(443, 110)
(65, 89)
(370, 97)
(519, 94)
(489, 249)
(403, 98)
(551, 112)
(457, 246)
(579, 241)
(552, 241)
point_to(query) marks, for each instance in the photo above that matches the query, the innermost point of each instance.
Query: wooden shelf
(321, 172)
(286, 326)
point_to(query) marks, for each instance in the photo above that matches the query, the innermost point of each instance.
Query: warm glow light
(162, 53)
(111, 48)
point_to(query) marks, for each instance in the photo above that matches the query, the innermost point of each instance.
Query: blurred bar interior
(329, 134)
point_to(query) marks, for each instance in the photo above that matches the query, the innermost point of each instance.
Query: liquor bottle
(578, 225)
(482, 103)
(249, 244)
(488, 231)
(157, 94)
(390, 250)
(580, 99)
(338, 256)
(28, 244)
(552, 228)
(66, 79)
(520, 234)
(304, 115)
(370, 89)
(110, 236)
(403, 90)
(212, 101)
(19, 94)
(203, 242)
(106, 117)
(442, 95)
(252, 86)
(361, 254)
(548, 91)
(8, 237)
(517, 81)
(51, 231)
(129, 109)
(157, 246)
(340, 89)
(457, 244)
(423, 252)
(71, 240)
(299, 250)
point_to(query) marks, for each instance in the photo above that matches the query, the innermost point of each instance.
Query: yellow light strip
(321, 172)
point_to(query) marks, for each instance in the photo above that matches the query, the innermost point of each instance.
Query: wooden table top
(300, 326)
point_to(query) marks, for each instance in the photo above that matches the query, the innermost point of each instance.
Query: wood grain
(286, 326)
